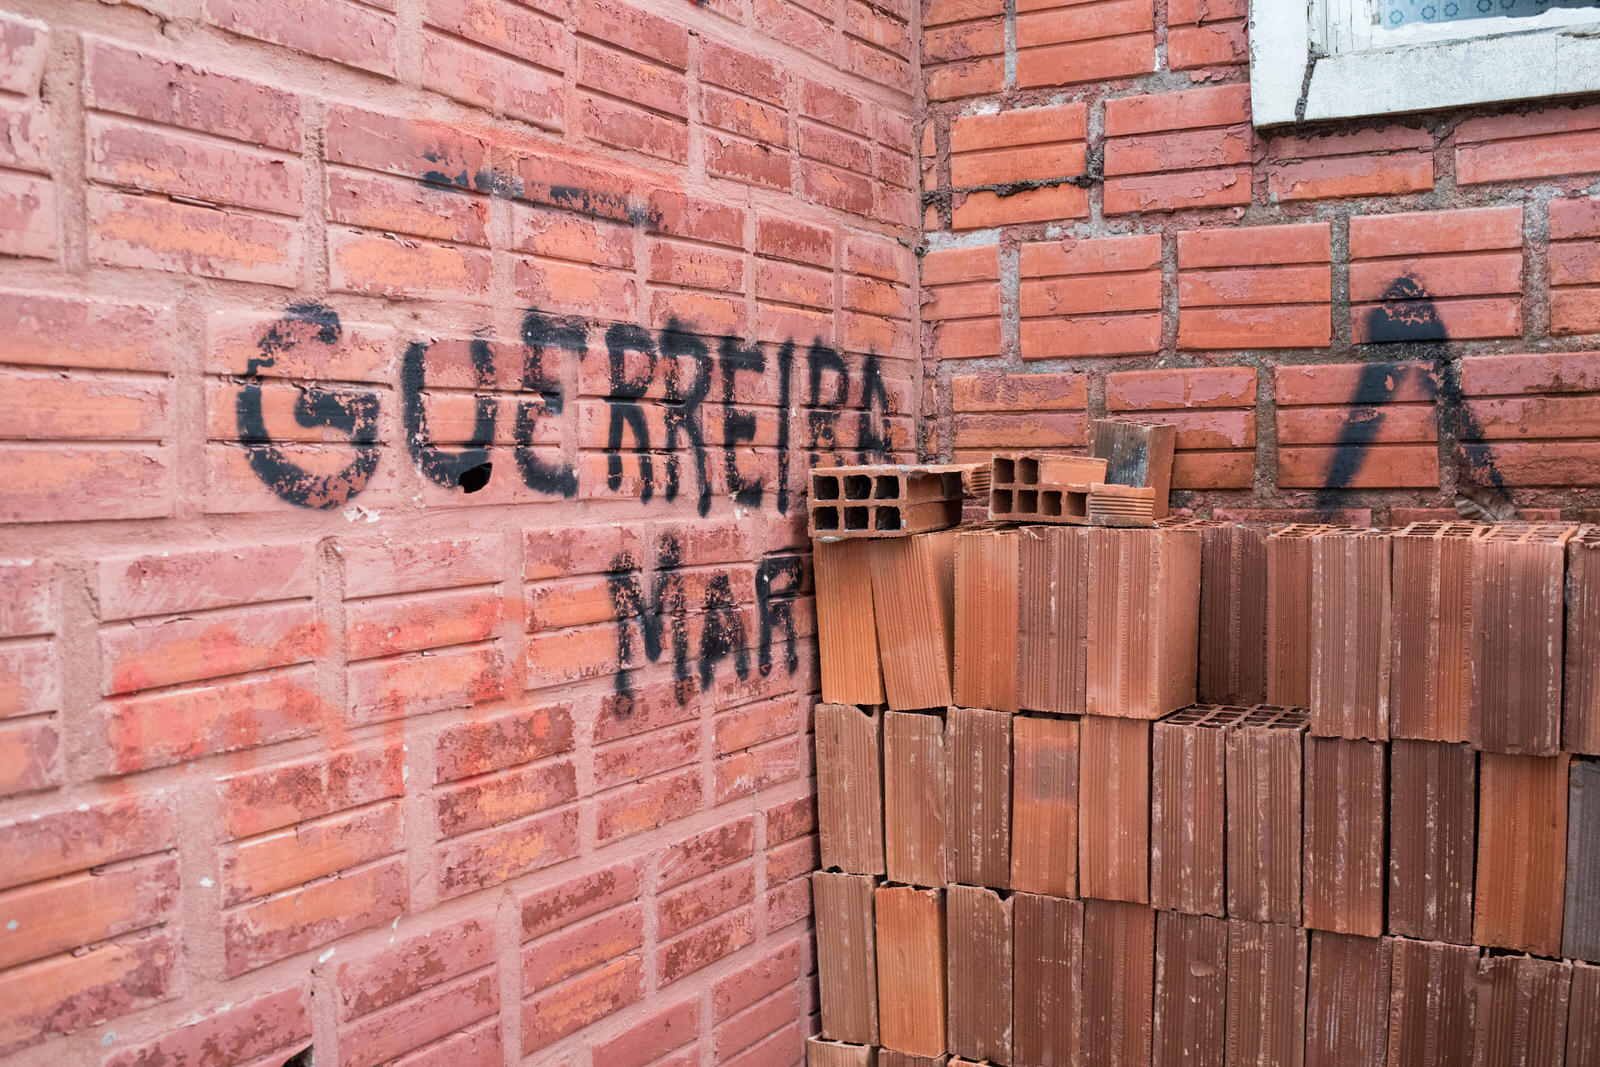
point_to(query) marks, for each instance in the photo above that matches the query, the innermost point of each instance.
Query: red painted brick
(397, 971)
(309, 851)
(339, 30)
(67, 993)
(1083, 42)
(169, 91)
(1444, 273)
(140, 231)
(24, 44)
(557, 906)
(570, 1007)
(1096, 297)
(704, 945)
(314, 915)
(578, 948)
(86, 908)
(982, 210)
(439, 1012)
(1387, 162)
(240, 1033)
(1234, 290)
(651, 1038)
(506, 851)
(256, 801)
(1547, 143)
(1028, 144)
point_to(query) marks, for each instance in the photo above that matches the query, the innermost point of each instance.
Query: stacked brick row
(1374, 842)
(1099, 206)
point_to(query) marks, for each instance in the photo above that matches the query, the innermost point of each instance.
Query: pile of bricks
(1210, 794)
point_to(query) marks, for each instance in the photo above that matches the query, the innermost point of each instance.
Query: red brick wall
(404, 615)
(1361, 317)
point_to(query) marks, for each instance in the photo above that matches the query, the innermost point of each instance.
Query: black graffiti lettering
(624, 406)
(873, 432)
(664, 612)
(353, 414)
(442, 467)
(823, 417)
(634, 356)
(539, 335)
(772, 612)
(785, 380)
(683, 408)
(722, 633)
(1407, 318)
(738, 425)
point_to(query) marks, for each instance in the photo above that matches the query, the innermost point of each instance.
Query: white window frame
(1318, 59)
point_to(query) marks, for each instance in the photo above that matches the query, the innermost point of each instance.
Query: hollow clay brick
(1233, 614)
(1191, 992)
(1137, 454)
(1044, 806)
(911, 961)
(1430, 673)
(1052, 647)
(1522, 852)
(847, 633)
(980, 973)
(916, 789)
(1289, 615)
(1144, 617)
(1114, 809)
(888, 1057)
(1433, 1004)
(1265, 758)
(978, 750)
(884, 500)
(1266, 994)
(1433, 799)
(1580, 931)
(1048, 986)
(1188, 809)
(1580, 730)
(986, 578)
(913, 595)
(1344, 836)
(847, 968)
(1517, 634)
(1583, 1017)
(1347, 1001)
(1119, 942)
(823, 1053)
(849, 789)
(1349, 649)
(1522, 1012)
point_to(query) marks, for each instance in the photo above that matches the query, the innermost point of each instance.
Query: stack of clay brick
(1209, 794)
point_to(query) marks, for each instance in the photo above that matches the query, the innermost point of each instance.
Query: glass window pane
(1413, 12)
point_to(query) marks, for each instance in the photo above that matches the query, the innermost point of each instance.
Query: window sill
(1288, 84)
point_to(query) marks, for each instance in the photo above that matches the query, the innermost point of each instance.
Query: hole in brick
(1049, 503)
(1004, 471)
(1028, 471)
(825, 518)
(1000, 501)
(824, 487)
(303, 1058)
(887, 519)
(855, 518)
(857, 487)
(1028, 502)
(888, 487)
(474, 478)
(950, 484)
